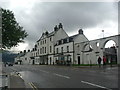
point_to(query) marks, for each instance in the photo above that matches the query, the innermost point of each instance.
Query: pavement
(90, 66)
(16, 82)
(96, 66)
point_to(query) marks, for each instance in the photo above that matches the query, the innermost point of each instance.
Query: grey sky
(37, 17)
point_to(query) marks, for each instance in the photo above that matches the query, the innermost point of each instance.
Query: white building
(27, 57)
(23, 58)
(20, 58)
(89, 51)
(66, 49)
(34, 56)
(58, 48)
(45, 45)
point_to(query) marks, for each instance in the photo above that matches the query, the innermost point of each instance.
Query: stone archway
(86, 53)
(104, 43)
(98, 46)
(110, 52)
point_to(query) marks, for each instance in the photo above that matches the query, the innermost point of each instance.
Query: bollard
(4, 83)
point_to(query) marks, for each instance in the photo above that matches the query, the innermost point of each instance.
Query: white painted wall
(80, 38)
(79, 47)
(97, 51)
(57, 36)
(60, 34)
(70, 44)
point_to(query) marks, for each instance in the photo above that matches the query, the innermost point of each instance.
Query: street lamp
(103, 33)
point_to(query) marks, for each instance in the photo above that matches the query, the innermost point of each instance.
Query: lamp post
(103, 33)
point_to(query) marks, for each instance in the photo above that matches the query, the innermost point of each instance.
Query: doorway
(50, 60)
(33, 62)
(78, 60)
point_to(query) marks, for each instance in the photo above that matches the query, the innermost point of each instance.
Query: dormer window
(59, 42)
(68, 40)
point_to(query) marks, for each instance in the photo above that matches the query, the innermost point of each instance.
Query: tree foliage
(12, 32)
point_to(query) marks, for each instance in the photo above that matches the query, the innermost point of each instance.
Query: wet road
(42, 76)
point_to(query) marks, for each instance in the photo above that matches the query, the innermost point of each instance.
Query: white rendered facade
(77, 49)
(89, 51)
(45, 45)
(64, 53)
(69, 47)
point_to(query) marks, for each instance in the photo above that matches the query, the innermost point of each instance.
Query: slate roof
(49, 34)
(65, 39)
(74, 36)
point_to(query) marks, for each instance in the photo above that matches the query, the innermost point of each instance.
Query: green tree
(12, 32)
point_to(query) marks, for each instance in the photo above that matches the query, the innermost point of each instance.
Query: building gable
(60, 34)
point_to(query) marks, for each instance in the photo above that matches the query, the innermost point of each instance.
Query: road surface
(43, 76)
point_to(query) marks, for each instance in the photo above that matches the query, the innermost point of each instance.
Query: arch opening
(87, 50)
(110, 52)
(110, 43)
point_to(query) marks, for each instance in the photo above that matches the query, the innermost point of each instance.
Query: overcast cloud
(37, 17)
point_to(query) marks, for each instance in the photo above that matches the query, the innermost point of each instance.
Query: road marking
(61, 76)
(19, 75)
(95, 85)
(33, 86)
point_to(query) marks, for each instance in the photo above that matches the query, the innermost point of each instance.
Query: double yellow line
(33, 86)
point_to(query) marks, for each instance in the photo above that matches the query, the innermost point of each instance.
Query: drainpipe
(118, 51)
(73, 53)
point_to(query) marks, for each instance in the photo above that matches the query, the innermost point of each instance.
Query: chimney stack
(28, 50)
(24, 51)
(80, 31)
(46, 33)
(60, 25)
(55, 28)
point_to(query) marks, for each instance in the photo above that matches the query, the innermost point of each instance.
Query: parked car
(10, 64)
